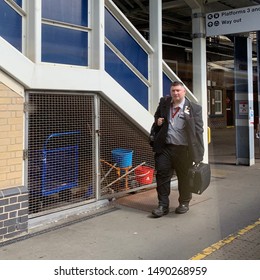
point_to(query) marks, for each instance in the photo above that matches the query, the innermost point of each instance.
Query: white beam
(97, 52)
(57, 77)
(33, 23)
(194, 4)
(156, 58)
(173, 5)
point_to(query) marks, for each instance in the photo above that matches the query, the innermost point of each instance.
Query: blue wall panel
(18, 2)
(121, 39)
(10, 25)
(65, 46)
(126, 78)
(69, 11)
(166, 85)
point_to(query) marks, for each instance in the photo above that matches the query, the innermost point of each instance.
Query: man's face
(177, 93)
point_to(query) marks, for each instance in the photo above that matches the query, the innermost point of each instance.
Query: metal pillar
(33, 28)
(98, 35)
(156, 57)
(258, 86)
(199, 62)
(243, 77)
(200, 68)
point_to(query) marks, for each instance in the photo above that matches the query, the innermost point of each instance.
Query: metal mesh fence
(126, 157)
(60, 150)
(62, 167)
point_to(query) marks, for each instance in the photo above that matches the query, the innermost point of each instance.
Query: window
(218, 101)
(209, 111)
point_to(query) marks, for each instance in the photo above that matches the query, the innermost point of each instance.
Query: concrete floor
(121, 231)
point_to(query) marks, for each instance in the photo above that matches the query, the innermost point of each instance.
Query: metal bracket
(198, 35)
(25, 154)
(198, 15)
(25, 107)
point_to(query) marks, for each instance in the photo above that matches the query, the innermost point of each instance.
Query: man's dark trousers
(173, 157)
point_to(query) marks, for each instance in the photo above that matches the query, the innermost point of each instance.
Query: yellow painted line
(225, 241)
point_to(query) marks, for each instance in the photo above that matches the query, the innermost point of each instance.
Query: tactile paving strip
(245, 245)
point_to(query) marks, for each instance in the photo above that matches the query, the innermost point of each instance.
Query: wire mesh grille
(126, 158)
(60, 150)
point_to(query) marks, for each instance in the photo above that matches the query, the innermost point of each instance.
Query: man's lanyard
(176, 111)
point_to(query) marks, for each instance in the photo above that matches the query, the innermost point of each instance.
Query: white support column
(258, 86)
(33, 33)
(243, 78)
(97, 61)
(156, 57)
(200, 68)
(200, 62)
(251, 133)
(97, 35)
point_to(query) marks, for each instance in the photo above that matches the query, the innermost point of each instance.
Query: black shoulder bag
(199, 177)
(153, 131)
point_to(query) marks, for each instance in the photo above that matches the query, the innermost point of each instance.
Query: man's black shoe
(160, 211)
(182, 208)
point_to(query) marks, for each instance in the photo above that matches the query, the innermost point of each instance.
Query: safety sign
(243, 108)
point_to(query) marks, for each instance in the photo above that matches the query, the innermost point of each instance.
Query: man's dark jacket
(193, 127)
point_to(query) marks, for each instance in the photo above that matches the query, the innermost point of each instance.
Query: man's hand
(160, 121)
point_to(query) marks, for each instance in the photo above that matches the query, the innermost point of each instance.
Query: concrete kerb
(50, 220)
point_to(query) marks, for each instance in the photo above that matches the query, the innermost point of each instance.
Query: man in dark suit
(178, 143)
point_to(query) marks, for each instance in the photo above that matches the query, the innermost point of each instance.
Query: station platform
(243, 245)
(222, 224)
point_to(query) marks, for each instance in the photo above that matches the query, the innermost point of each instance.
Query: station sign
(233, 21)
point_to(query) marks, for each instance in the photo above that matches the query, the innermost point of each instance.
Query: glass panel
(18, 2)
(126, 78)
(10, 25)
(124, 42)
(66, 46)
(166, 85)
(69, 11)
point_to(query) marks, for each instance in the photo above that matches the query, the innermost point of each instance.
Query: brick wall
(13, 212)
(13, 197)
(11, 138)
